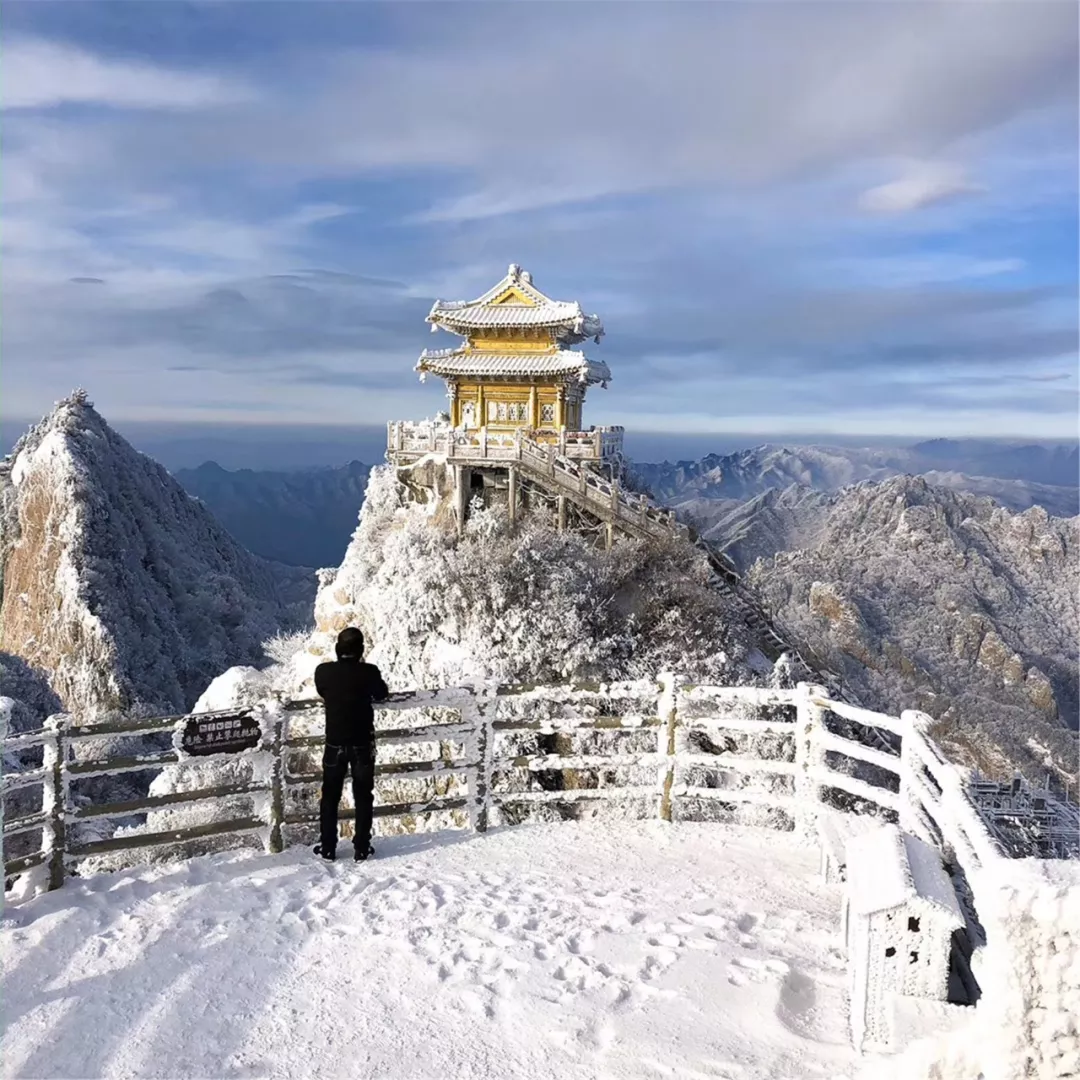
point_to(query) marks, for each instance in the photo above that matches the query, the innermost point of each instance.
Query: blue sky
(793, 218)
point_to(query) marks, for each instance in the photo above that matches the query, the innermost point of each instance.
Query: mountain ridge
(924, 597)
(125, 592)
(302, 518)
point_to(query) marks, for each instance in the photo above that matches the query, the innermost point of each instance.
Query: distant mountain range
(1017, 475)
(306, 517)
(302, 518)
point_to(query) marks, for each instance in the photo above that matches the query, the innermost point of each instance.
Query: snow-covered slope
(924, 597)
(520, 605)
(302, 518)
(118, 587)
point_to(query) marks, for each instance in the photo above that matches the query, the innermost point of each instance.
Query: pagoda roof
(516, 302)
(468, 362)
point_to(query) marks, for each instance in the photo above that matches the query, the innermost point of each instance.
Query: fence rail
(704, 745)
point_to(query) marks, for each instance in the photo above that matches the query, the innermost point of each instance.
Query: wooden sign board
(220, 734)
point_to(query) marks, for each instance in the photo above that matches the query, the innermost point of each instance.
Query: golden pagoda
(514, 372)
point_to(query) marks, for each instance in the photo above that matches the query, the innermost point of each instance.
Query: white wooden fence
(692, 746)
(497, 755)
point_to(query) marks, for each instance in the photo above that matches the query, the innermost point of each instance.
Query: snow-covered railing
(788, 758)
(404, 437)
(676, 750)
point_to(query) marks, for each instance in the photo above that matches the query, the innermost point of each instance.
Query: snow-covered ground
(570, 950)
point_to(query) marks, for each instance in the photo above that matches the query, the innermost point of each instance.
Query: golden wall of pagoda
(541, 341)
(505, 406)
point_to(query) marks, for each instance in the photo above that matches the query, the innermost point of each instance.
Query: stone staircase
(635, 514)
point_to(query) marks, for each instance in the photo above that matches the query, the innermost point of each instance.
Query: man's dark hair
(350, 644)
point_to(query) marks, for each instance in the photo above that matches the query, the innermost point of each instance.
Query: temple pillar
(512, 493)
(461, 496)
(561, 520)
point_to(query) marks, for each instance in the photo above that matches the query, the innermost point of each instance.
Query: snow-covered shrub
(520, 603)
(32, 697)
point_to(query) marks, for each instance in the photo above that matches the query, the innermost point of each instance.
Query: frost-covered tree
(521, 602)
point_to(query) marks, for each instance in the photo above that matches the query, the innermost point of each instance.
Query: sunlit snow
(570, 950)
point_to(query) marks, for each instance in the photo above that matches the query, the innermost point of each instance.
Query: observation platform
(692, 939)
(568, 949)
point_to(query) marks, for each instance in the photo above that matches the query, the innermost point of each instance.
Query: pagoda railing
(410, 438)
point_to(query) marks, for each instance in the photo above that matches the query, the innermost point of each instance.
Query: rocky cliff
(119, 588)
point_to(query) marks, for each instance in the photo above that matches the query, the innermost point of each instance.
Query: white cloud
(921, 269)
(40, 74)
(925, 184)
(512, 199)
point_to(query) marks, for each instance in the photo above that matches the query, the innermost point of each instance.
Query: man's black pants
(337, 761)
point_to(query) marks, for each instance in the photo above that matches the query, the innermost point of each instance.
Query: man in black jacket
(348, 686)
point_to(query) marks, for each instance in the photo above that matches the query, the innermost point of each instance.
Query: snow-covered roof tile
(467, 362)
(534, 309)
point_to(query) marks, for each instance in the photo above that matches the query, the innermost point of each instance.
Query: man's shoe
(329, 854)
(361, 855)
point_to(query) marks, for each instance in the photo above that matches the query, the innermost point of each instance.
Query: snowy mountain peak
(926, 597)
(117, 586)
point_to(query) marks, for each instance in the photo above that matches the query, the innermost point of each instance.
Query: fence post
(809, 719)
(666, 708)
(910, 819)
(54, 797)
(277, 781)
(5, 716)
(484, 704)
(914, 817)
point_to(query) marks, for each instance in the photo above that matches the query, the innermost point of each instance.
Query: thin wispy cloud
(40, 74)
(925, 184)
